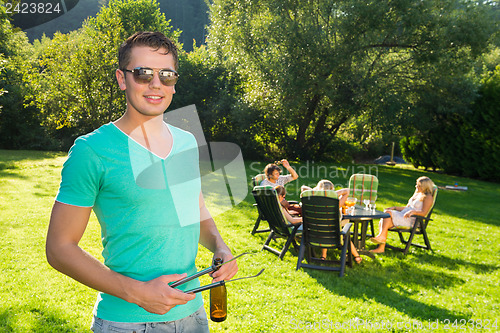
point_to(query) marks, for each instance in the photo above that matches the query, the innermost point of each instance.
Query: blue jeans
(195, 323)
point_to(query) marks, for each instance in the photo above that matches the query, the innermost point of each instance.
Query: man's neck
(130, 123)
(150, 132)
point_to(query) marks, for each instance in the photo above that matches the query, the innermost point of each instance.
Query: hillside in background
(190, 16)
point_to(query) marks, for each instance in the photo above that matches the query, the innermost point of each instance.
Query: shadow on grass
(394, 286)
(7, 156)
(10, 173)
(454, 264)
(42, 190)
(35, 320)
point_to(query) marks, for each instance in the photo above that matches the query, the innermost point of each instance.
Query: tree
(211, 88)
(310, 67)
(466, 145)
(19, 124)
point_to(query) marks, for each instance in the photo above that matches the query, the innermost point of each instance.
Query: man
(141, 177)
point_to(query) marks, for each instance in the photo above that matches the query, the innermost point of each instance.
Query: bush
(467, 145)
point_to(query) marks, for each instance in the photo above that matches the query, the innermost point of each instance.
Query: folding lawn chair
(419, 228)
(256, 182)
(271, 211)
(363, 186)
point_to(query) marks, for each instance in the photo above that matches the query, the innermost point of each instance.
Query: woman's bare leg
(355, 253)
(382, 236)
(323, 252)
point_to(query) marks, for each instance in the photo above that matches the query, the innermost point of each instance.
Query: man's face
(152, 98)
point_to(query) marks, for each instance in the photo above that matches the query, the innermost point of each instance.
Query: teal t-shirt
(148, 209)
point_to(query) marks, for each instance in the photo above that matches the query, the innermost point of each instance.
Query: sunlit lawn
(455, 284)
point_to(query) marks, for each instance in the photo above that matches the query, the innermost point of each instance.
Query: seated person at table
(419, 204)
(280, 190)
(274, 178)
(326, 185)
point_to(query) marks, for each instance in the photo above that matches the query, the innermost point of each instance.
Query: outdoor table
(362, 216)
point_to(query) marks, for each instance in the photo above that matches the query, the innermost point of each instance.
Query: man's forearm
(210, 237)
(155, 296)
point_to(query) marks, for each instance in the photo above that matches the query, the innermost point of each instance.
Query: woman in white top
(419, 204)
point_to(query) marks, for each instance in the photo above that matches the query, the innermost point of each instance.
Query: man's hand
(227, 271)
(156, 296)
(285, 163)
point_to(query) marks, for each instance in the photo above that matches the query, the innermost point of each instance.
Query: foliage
(211, 88)
(467, 145)
(453, 282)
(5, 27)
(417, 151)
(310, 67)
(2, 63)
(74, 84)
(19, 124)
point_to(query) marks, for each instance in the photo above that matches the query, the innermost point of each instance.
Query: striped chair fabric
(322, 193)
(363, 186)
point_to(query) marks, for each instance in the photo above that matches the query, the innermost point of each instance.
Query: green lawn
(456, 285)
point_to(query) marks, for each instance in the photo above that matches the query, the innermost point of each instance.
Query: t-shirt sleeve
(81, 176)
(287, 178)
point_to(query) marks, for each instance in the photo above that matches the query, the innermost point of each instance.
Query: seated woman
(419, 204)
(326, 185)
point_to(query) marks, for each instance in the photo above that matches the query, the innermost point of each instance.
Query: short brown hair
(156, 40)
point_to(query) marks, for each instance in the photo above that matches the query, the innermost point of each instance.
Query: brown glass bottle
(218, 300)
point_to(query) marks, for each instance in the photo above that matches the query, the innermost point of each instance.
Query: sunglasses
(144, 75)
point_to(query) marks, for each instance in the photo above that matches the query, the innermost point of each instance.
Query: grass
(455, 285)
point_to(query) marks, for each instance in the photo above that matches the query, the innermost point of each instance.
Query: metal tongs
(209, 270)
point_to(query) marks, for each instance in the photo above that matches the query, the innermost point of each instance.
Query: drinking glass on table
(350, 202)
(366, 202)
